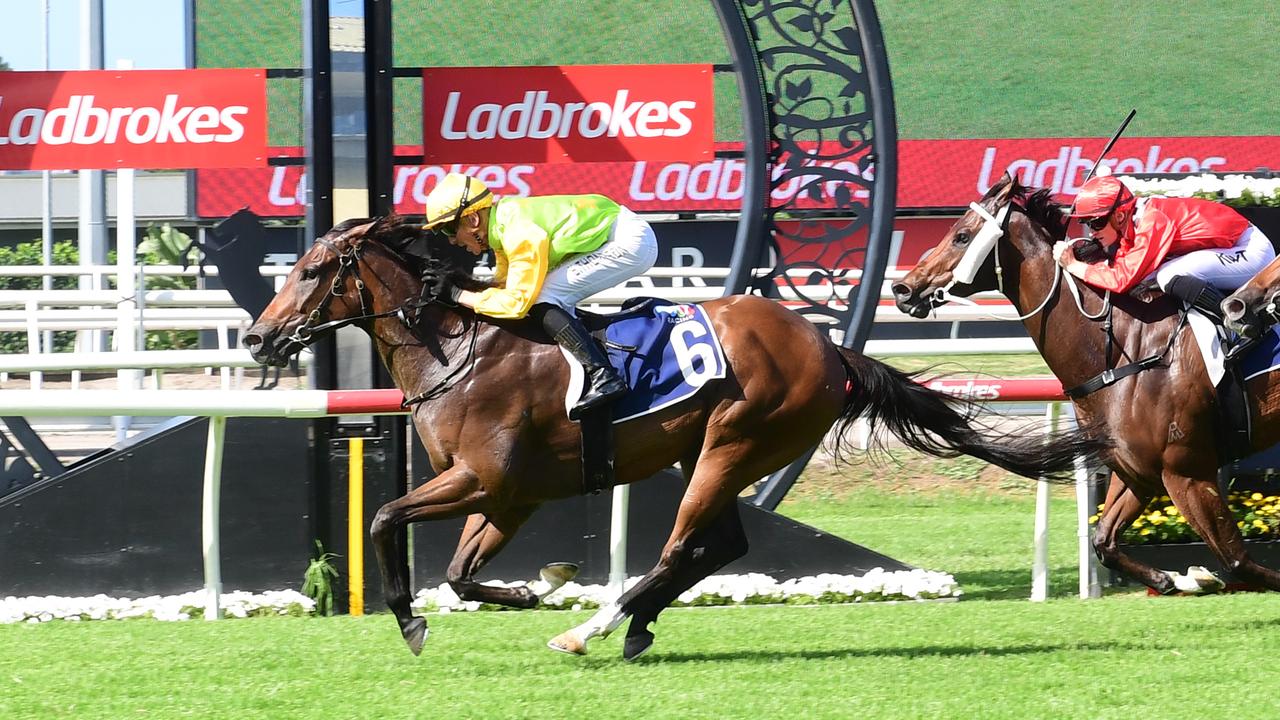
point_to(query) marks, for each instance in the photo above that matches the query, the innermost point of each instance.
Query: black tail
(943, 425)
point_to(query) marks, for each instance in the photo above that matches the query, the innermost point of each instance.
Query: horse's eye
(310, 273)
(961, 238)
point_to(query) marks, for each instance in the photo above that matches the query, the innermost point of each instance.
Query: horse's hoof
(1196, 581)
(567, 642)
(1207, 581)
(558, 573)
(415, 633)
(637, 645)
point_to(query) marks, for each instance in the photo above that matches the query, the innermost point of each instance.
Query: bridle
(994, 228)
(348, 263)
(408, 313)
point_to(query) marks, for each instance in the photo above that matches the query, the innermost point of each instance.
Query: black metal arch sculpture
(818, 117)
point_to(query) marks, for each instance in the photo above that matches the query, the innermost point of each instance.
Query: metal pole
(209, 515)
(1040, 565)
(93, 196)
(618, 538)
(46, 182)
(355, 526)
(126, 334)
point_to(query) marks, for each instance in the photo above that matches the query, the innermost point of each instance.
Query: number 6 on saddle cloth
(664, 352)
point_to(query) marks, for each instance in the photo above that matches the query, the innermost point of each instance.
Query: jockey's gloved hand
(439, 287)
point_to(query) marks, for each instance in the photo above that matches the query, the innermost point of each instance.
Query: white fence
(39, 312)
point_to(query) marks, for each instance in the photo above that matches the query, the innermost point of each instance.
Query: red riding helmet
(1101, 196)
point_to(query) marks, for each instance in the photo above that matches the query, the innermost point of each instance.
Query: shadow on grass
(907, 652)
(1016, 584)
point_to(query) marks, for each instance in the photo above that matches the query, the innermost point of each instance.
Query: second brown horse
(1163, 420)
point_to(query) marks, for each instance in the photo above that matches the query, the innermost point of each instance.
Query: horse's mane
(1037, 203)
(425, 251)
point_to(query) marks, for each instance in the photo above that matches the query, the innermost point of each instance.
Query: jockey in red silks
(1190, 248)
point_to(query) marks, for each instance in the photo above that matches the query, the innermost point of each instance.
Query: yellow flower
(1171, 510)
(1256, 496)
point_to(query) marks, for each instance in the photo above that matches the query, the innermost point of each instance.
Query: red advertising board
(952, 173)
(156, 119)
(563, 114)
(932, 174)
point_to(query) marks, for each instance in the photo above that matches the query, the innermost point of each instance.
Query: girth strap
(1111, 376)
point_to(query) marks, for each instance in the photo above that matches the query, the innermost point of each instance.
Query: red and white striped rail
(219, 405)
(213, 403)
(322, 403)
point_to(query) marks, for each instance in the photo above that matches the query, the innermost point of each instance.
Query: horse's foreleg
(1209, 515)
(1123, 505)
(454, 492)
(482, 538)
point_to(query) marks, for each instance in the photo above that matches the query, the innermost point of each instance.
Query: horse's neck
(1075, 347)
(419, 361)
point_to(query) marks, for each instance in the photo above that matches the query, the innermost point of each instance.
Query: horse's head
(1010, 224)
(357, 271)
(1256, 305)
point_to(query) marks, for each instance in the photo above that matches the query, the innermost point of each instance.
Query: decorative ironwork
(821, 164)
(823, 152)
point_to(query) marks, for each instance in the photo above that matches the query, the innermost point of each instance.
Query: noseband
(348, 263)
(994, 227)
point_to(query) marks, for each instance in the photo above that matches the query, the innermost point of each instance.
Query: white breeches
(1224, 268)
(630, 250)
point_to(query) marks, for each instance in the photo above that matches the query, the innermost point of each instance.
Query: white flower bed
(170, 607)
(1228, 187)
(750, 589)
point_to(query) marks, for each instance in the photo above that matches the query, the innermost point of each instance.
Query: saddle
(666, 351)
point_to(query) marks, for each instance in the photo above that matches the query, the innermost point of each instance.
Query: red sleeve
(1133, 262)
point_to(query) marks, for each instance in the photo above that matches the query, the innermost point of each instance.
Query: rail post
(209, 515)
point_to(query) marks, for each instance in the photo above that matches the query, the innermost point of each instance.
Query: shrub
(1257, 516)
(163, 245)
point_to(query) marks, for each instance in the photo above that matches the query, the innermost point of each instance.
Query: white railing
(39, 312)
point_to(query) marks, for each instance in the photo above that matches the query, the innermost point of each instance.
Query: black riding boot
(1199, 294)
(603, 383)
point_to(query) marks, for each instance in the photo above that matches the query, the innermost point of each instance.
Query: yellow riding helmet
(454, 196)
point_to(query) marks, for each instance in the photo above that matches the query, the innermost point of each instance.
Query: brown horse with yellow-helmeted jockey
(490, 410)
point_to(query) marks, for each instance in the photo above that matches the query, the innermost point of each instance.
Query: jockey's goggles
(1096, 224)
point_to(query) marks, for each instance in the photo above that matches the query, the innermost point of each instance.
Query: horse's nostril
(1233, 308)
(252, 341)
(901, 291)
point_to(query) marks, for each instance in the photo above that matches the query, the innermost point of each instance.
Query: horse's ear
(1007, 188)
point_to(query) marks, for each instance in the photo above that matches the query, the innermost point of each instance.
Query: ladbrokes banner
(154, 119)
(561, 114)
(932, 174)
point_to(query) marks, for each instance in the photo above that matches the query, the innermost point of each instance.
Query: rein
(995, 227)
(407, 313)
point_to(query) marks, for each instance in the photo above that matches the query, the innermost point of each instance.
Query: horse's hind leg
(707, 550)
(456, 491)
(482, 538)
(1210, 516)
(708, 493)
(1122, 506)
